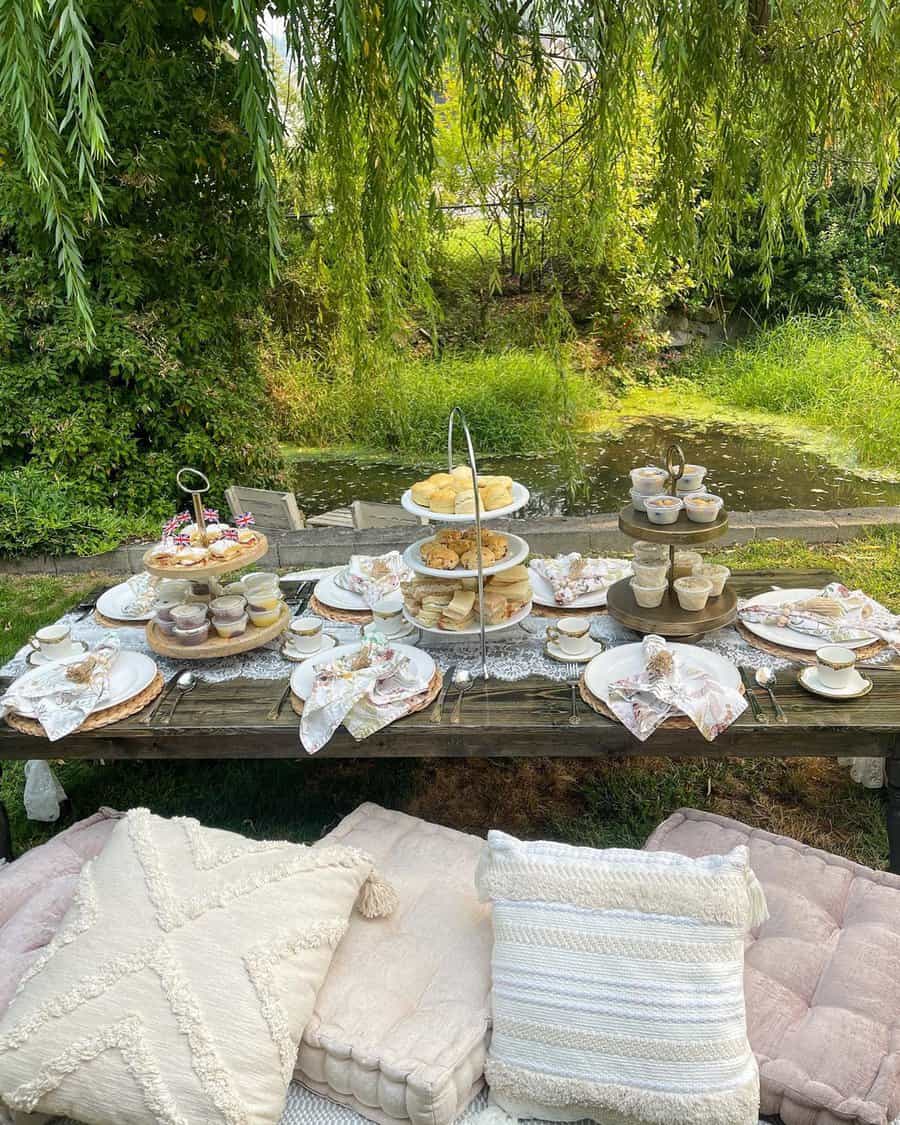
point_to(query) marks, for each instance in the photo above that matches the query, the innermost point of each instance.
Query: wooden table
(530, 718)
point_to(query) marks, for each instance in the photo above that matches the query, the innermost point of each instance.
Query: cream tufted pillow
(181, 978)
(617, 984)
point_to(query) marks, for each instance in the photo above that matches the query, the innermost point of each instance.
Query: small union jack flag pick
(210, 515)
(245, 520)
(169, 527)
(182, 540)
(182, 517)
(230, 534)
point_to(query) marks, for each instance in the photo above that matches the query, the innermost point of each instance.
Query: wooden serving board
(208, 570)
(216, 646)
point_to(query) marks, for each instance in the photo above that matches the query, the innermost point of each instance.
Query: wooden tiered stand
(669, 619)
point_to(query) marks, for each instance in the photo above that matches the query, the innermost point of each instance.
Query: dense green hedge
(175, 273)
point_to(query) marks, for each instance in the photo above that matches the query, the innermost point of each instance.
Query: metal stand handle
(457, 412)
(675, 469)
(195, 494)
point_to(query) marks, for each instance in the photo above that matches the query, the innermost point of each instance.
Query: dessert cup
(648, 597)
(692, 592)
(717, 576)
(233, 628)
(703, 508)
(650, 574)
(691, 477)
(637, 500)
(685, 561)
(192, 636)
(187, 617)
(262, 618)
(263, 599)
(226, 609)
(663, 509)
(650, 553)
(649, 480)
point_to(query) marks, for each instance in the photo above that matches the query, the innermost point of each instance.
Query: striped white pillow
(618, 984)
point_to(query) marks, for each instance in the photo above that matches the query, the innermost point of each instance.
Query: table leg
(892, 765)
(6, 851)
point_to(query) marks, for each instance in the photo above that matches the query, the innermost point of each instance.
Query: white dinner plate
(790, 638)
(520, 493)
(473, 630)
(329, 593)
(303, 676)
(112, 603)
(628, 660)
(131, 673)
(517, 550)
(543, 593)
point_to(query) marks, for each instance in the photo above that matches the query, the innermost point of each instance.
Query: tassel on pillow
(377, 898)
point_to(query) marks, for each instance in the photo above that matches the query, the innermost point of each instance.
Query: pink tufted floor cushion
(401, 1024)
(36, 890)
(821, 977)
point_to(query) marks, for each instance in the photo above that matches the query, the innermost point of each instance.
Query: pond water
(751, 470)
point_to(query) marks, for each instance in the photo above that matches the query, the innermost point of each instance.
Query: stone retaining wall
(315, 546)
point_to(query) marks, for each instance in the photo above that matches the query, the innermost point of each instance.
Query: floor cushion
(822, 975)
(400, 1025)
(618, 984)
(179, 981)
(36, 890)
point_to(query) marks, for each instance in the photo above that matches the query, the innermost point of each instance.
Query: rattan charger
(98, 719)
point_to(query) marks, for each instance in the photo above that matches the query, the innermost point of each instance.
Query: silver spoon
(186, 682)
(767, 679)
(463, 680)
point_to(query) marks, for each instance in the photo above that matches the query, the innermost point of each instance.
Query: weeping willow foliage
(777, 90)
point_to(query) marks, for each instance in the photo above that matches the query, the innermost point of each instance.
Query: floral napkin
(670, 685)
(365, 690)
(142, 592)
(373, 577)
(63, 695)
(836, 615)
(573, 576)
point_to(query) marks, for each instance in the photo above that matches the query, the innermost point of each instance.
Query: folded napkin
(670, 685)
(142, 591)
(573, 576)
(373, 577)
(836, 615)
(63, 695)
(365, 691)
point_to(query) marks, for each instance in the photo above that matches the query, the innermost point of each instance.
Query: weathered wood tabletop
(530, 718)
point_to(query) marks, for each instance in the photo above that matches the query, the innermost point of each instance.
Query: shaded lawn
(618, 802)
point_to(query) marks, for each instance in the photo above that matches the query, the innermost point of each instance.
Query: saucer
(406, 632)
(592, 649)
(38, 660)
(296, 657)
(809, 678)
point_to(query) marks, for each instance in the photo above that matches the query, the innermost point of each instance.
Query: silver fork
(573, 679)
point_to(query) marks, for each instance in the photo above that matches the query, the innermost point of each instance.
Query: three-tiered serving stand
(517, 547)
(669, 619)
(214, 647)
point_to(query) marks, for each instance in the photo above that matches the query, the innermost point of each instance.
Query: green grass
(579, 800)
(837, 373)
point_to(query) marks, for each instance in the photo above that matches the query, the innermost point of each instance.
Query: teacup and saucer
(570, 640)
(388, 620)
(835, 675)
(305, 639)
(53, 644)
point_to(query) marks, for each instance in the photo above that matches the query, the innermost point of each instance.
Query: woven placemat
(799, 655)
(677, 722)
(348, 616)
(559, 611)
(114, 623)
(428, 696)
(99, 719)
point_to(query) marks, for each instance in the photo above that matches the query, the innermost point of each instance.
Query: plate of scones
(455, 551)
(451, 496)
(450, 605)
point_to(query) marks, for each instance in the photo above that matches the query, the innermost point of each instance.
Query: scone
(441, 480)
(495, 496)
(469, 560)
(463, 474)
(443, 500)
(223, 549)
(496, 543)
(438, 556)
(465, 502)
(422, 492)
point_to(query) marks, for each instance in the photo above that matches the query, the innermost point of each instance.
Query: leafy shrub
(174, 276)
(42, 512)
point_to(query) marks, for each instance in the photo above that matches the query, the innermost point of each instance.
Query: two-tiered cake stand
(669, 619)
(517, 550)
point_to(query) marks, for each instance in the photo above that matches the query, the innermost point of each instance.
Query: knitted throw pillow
(618, 984)
(179, 982)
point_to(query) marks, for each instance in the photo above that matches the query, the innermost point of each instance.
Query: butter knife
(437, 712)
(749, 684)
